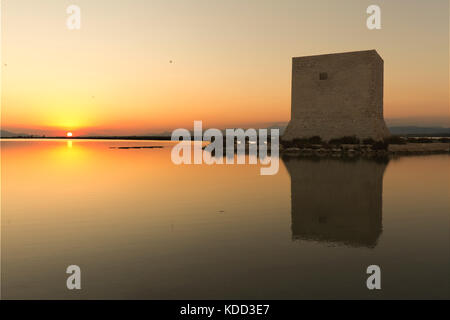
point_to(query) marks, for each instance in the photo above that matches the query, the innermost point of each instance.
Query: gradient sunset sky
(142, 66)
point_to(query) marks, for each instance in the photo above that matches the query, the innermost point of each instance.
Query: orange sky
(231, 61)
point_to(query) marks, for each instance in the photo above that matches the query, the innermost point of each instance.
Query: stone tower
(337, 95)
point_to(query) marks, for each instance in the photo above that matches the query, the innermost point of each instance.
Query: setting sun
(69, 134)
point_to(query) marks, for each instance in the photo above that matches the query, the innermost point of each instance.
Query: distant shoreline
(94, 138)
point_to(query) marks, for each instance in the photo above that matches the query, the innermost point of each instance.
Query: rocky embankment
(353, 147)
(367, 150)
(392, 146)
(419, 148)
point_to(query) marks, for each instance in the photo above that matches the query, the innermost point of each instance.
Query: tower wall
(337, 95)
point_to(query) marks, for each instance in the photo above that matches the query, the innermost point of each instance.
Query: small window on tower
(323, 76)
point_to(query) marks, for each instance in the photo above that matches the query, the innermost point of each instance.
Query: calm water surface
(141, 227)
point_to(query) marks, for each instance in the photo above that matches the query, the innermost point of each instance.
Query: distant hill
(9, 134)
(422, 131)
(395, 130)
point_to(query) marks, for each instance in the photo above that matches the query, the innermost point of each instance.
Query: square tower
(337, 95)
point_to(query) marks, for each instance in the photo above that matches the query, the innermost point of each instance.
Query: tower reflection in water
(336, 201)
